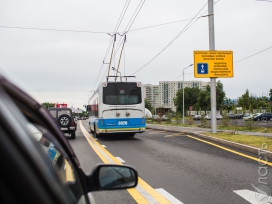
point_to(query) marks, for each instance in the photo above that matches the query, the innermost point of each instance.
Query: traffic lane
(192, 171)
(88, 159)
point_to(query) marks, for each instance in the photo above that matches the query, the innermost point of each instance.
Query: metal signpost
(213, 64)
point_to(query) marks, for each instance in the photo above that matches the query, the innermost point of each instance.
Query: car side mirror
(112, 177)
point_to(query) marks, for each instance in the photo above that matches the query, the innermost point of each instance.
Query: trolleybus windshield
(122, 93)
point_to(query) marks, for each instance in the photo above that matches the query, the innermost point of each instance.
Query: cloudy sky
(55, 50)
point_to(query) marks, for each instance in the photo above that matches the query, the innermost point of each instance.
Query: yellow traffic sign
(213, 64)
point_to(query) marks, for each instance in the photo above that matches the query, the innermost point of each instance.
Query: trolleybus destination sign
(213, 64)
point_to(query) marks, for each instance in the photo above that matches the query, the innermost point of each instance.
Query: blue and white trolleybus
(117, 108)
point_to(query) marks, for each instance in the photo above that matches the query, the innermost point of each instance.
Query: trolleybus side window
(93, 109)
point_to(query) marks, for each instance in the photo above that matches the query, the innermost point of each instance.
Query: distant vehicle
(208, 117)
(197, 117)
(263, 117)
(219, 116)
(164, 117)
(248, 116)
(239, 116)
(232, 116)
(65, 119)
(156, 117)
(148, 114)
(256, 115)
(117, 108)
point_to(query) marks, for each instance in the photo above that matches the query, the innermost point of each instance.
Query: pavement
(200, 132)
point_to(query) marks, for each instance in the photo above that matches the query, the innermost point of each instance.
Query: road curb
(258, 151)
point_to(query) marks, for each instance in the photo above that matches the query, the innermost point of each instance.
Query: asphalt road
(181, 167)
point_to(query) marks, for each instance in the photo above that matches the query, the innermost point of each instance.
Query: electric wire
(51, 29)
(131, 21)
(100, 32)
(121, 16)
(163, 24)
(141, 5)
(253, 54)
(101, 67)
(111, 42)
(182, 31)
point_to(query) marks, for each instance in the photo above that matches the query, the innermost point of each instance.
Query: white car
(148, 114)
(248, 116)
(219, 116)
(208, 117)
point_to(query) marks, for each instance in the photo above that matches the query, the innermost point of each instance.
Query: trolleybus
(117, 108)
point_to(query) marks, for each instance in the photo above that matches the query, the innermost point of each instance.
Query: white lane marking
(120, 159)
(254, 197)
(104, 146)
(146, 195)
(95, 146)
(168, 196)
(174, 135)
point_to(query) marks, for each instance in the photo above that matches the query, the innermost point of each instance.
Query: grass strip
(254, 141)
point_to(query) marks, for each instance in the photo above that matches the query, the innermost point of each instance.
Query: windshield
(122, 93)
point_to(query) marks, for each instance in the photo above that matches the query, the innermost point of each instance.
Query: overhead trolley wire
(112, 40)
(179, 34)
(253, 54)
(183, 30)
(130, 23)
(51, 29)
(121, 16)
(163, 24)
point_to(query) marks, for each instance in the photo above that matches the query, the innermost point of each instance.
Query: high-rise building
(151, 93)
(162, 95)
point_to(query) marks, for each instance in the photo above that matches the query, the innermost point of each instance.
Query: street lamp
(183, 91)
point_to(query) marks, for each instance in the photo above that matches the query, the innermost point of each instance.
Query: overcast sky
(44, 50)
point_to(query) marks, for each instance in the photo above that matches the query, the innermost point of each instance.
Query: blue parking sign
(202, 68)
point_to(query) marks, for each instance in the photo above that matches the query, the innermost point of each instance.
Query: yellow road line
(69, 172)
(92, 142)
(234, 152)
(133, 192)
(155, 194)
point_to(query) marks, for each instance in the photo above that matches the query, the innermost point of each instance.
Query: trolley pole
(212, 80)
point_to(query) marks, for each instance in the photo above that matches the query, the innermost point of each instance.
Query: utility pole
(212, 80)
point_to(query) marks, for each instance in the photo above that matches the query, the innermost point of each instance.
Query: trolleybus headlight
(117, 114)
(127, 114)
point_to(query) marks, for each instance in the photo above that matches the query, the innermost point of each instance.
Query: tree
(47, 105)
(244, 100)
(148, 105)
(220, 95)
(228, 104)
(190, 99)
(204, 97)
(270, 94)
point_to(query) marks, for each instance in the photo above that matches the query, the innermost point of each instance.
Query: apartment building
(151, 93)
(162, 95)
